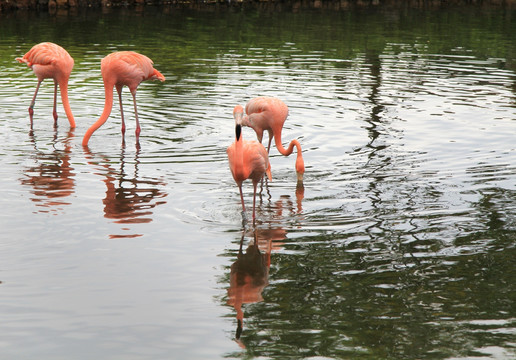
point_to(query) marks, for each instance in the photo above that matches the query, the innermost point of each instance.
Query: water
(400, 245)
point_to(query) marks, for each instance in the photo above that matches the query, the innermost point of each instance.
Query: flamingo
(118, 69)
(269, 113)
(247, 159)
(50, 61)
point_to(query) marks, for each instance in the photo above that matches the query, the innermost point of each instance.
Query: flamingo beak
(238, 131)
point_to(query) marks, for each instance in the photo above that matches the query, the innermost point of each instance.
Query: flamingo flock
(248, 159)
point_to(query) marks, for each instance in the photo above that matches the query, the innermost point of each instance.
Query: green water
(401, 245)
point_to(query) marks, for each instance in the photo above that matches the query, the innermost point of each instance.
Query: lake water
(401, 245)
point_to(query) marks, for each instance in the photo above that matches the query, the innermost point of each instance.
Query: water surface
(401, 244)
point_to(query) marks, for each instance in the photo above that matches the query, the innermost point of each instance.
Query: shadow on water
(129, 197)
(51, 178)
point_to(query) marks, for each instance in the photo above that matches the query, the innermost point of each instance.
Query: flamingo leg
(239, 329)
(270, 140)
(138, 129)
(119, 91)
(31, 106)
(55, 104)
(255, 183)
(241, 196)
(244, 216)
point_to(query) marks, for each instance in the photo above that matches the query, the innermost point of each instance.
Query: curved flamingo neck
(290, 148)
(108, 105)
(300, 164)
(63, 87)
(254, 122)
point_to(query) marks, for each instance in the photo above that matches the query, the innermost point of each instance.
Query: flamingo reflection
(300, 195)
(52, 177)
(284, 203)
(129, 199)
(250, 272)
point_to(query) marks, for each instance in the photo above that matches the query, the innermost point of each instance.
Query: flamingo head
(300, 168)
(238, 114)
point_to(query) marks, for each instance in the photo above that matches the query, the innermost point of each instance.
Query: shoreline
(54, 5)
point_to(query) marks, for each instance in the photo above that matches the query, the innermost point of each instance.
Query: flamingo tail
(268, 171)
(23, 60)
(158, 76)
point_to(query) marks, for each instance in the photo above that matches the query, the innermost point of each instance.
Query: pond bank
(52, 5)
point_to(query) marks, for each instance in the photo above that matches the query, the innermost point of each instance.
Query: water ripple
(404, 227)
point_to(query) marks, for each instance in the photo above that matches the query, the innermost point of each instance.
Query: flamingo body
(119, 69)
(247, 160)
(51, 61)
(266, 113)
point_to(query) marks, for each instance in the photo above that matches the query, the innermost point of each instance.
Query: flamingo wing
(130, 68)
(253, 164)
(44, 54)
(256, 159)
(266, 103)
(257, 105)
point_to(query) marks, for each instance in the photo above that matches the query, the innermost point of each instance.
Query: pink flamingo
(51, 61)
(269, 113)
(118, 69)
(247, 159)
